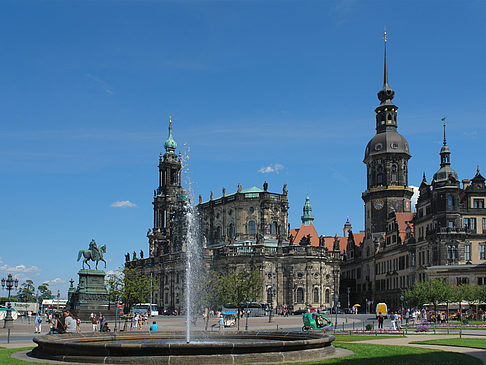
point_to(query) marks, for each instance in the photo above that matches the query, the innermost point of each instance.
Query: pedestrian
(154, 327)
(135, 321)
(94, 322)
(58, 326)
(102, 321)
(69, 322)
(38, 323)
(392, 321)
(221, 322)
(380, 320)
(78, 325)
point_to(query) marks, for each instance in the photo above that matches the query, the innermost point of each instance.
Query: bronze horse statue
(94, 253)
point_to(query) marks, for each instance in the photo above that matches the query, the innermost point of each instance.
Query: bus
(255, 309)
(149, 308)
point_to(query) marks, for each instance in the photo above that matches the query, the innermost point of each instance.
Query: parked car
(348, 310)
(339, 311)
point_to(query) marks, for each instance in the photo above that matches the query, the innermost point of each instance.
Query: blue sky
(86, 88)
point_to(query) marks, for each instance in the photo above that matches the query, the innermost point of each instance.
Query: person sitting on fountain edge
(154, 326)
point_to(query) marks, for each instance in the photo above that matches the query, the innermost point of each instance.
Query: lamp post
(58, 296)
(270, 315)
(335, 274)
(9, 284)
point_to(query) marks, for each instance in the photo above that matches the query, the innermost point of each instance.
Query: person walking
(38, 323)
(94, 322)
(380, 320)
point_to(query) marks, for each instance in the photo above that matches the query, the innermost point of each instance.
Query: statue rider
(93, 247)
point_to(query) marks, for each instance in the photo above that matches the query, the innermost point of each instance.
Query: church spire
(307, 218)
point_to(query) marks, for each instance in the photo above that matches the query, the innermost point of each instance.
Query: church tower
(169, 201)
(386, 159)
(307, 217)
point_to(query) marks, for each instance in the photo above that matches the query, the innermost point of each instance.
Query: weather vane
(170, 119)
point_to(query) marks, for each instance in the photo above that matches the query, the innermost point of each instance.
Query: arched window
(379, 179)
(300, 295)
(251, 228)
(316, 295)
(327, 295)
(450, 202)
(231, 231)
(273, 228)
(218, 232)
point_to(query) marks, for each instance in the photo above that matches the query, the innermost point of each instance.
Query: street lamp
(9, 283)
(335, 273)
(58, 296)
(270, 315)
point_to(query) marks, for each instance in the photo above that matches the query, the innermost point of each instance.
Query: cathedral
(237, 230)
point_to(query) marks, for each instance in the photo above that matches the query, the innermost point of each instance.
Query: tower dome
(170, 144)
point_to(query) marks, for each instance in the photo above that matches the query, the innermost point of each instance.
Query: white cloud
(415, 195)
(276, 168)
(57, 281)
(20, 272)
(123, 204)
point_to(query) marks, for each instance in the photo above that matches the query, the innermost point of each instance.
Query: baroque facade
(243, 229)
(443, 239)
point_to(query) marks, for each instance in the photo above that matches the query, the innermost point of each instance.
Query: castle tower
(386, 159)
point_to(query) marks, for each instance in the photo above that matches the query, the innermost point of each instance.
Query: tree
(130, 286)
(241, 287)
(26, 292)
(45, 292)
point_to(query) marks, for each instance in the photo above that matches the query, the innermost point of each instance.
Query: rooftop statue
(94, 253)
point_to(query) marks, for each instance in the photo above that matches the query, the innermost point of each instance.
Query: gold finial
(384, 35)
(170, 119)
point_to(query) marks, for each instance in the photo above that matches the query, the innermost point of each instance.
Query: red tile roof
(299, 233)
(358, 238)
(402, 219)
(329, 243)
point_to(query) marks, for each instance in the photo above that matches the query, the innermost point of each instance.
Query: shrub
(369, 327)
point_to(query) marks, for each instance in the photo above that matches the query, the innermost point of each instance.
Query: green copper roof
(170, 145)
(253, 189)
(307, 218)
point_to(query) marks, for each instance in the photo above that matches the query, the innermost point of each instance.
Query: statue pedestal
(91, 296)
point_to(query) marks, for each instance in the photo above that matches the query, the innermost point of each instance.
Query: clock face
(379, 204)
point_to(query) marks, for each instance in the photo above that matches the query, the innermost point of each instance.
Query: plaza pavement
(23, 332)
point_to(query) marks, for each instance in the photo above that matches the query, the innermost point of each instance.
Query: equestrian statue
(94, 253)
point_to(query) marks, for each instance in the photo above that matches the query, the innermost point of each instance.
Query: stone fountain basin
(166, 347)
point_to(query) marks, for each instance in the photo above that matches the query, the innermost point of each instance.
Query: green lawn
(351, 338)
(368, 354)
(461, 342)
(5, 358)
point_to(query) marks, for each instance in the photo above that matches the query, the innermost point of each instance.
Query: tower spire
(385, 68)
(307, 218)
(444, 125)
